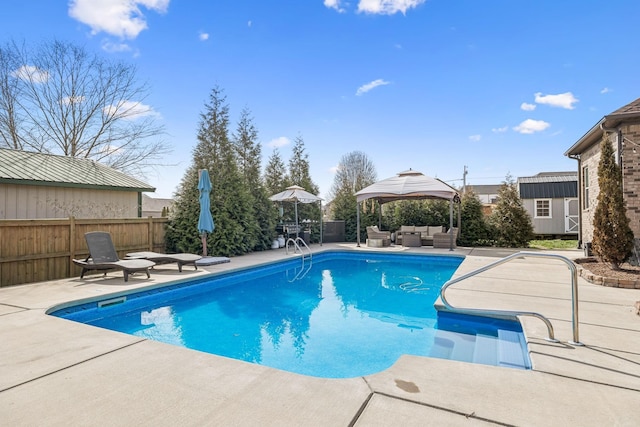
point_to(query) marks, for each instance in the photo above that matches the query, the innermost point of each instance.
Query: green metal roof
(26, 168)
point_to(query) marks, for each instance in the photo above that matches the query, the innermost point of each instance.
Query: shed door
(571, 218)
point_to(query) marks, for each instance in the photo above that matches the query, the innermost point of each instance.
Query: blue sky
(501, 86)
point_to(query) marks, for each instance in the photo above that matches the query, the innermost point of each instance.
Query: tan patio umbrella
(297, 194)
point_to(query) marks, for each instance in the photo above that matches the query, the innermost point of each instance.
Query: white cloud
(605, 90)
(31, 73)
(334, 169)
(334, 4)
(67, 100)
(530, 126)
(279, 142)
(111, 47)
(475, 138)
(386, 7)
(500, 130)
(527, 107)
(121, 18)
(249, 24)
(130, 110)
(203, 36)
(562, 100)
(371, 85)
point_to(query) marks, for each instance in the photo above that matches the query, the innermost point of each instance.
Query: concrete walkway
(58, 372)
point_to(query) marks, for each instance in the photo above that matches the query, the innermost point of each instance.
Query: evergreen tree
(249, 153)
(275, 174)
(612, 236)
(299, 167)
(299, 175)
(344, 208)
(510, 220)
(418, 212)
(474, 226)
(230, 202)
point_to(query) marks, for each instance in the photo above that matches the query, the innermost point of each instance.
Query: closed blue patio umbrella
(205, 222)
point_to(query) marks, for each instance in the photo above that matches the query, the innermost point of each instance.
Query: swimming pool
(346, 314)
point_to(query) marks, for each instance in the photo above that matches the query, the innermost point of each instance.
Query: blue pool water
(349, 314)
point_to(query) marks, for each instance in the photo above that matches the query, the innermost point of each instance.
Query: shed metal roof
(27, 168)
(546, 177)
(549, 190)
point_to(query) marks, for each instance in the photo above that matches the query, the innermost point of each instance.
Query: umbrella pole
(296, 208)
(204, 244)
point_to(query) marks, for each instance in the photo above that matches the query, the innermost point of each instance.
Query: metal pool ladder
(297, 248)
(518, 255)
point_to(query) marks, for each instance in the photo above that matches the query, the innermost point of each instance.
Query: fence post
(150, 233)
(72, 243)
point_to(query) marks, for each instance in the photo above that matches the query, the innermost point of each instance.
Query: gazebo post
(321, 219)
(451, 224)
(358, 223)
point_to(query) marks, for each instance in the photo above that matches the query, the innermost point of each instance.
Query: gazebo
(408, 185)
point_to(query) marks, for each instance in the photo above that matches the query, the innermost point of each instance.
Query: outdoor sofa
(426, 233)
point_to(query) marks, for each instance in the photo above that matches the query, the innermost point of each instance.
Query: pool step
(486, 350)
(510, 350)
(503, 350)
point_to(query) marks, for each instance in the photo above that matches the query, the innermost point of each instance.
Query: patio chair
(103, 256)
(443, 240)
(373, 233)
(160, 258)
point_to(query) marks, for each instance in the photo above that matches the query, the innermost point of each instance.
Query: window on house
(543, 208)
(585, 187)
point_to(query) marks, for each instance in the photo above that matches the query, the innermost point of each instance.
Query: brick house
(622, 128)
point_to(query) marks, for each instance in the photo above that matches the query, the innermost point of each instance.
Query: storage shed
(37, 185)
(551, 198)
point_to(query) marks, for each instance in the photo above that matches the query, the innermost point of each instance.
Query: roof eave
(74, 185)
(614, 120)
(588, 139)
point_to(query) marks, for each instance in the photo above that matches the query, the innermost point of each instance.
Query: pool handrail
(303, 272)
(518, 255)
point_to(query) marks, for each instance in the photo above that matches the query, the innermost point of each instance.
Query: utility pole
(464, 180)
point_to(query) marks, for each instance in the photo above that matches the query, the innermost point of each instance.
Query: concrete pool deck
(58, 372)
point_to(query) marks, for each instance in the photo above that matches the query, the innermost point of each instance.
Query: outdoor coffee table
(411, 239)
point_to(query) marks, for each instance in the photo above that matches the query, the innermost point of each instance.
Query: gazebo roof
(409, 184)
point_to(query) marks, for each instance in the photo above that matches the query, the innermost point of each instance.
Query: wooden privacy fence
(34, 250)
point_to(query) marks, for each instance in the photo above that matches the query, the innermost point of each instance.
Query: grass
(553, 244)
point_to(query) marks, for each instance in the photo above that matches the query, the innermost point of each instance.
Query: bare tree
(355, 172)
(61, 99)
(9, 94)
